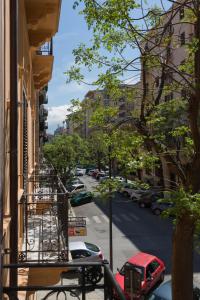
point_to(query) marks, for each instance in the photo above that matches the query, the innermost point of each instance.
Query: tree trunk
(182, 261)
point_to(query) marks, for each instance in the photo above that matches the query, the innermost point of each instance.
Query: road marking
(87, 220)
(134, 217)
(105, 218)
(96, 219)
(116, 218)
(125, 217)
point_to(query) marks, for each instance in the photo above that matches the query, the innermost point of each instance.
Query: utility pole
(110, 210)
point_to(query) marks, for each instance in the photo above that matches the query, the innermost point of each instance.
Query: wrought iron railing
(45, 219)
(45, 49)
(80, 279)
(46, 225)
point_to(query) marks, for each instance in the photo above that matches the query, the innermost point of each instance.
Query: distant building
(60, 130)
(126, 102)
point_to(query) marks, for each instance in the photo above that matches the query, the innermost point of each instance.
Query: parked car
(78, 187)
(129, 189)
(158, 207)
(164, 292)
(101, 174)
(148, 197)
(151, 270)
(89, 168)
(84, 251)
(90, 173)
(102, 179)
(80, 172)
(87, 252)
(81, 198)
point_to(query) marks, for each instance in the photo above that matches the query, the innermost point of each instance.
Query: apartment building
(26, 61)
(163, 79)
(126, 102)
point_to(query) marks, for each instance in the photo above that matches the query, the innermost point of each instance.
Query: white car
(84, 251)
(130, 190)
(76, 188)
(80, 172)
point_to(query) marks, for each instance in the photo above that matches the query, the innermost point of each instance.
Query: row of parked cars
(78, 192)
(147, 197)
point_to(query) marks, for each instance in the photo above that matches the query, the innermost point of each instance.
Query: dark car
(158, 207)
(81, 198)
(148, 197)
(164, 292)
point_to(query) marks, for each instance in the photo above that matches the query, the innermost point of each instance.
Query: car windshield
(92, 247)
(139, 269)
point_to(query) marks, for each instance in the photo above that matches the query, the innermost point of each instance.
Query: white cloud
(56, 116)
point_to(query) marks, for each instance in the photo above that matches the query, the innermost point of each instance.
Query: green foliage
(64, 152)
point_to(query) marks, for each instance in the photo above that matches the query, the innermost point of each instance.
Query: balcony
(43, 265)
(43, 64)
(42, 20)
(45, 49)
(45, 125)
(43, 99)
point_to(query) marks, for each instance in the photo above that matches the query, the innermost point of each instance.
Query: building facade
(26, 62)
(166, 79)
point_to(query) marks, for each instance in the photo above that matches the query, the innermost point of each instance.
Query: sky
(72, 31)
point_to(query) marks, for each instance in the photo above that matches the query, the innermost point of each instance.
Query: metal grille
(45, 213)
(46, 48)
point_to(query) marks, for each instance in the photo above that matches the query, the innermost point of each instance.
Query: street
(134, 229)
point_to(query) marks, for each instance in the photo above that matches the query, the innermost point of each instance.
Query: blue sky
(72, 31)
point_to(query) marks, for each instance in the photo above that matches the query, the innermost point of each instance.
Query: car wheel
(94, 275)
(142, 204)
(126, 194)
(157, 211)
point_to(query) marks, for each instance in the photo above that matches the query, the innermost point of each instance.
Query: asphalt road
(134, 229)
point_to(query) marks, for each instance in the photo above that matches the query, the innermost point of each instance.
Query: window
(76, 254)
(146, 48)
(169, 77)
(169, 28)
(137, 268)
(147, 88)
(92, 247)
(181, 13)
(182, 38)
(169, 51)
(157, 81)
(169, 97)
(191, 37)
(151, 268)
(183, 93)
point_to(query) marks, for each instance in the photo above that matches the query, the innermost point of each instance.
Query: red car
(150, 269)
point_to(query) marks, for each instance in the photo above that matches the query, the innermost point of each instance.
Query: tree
(64, 152)
(142, 40)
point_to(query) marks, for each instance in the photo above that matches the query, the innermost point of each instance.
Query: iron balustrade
(46, 48)
(45, 219)
(84, 281)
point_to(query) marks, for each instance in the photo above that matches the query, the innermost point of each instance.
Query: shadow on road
(149, 233)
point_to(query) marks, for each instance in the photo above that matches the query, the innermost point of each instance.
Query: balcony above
(46, 125)
(43, 99)
(42, 69)
(42, 20)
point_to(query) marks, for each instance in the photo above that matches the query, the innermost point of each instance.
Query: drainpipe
(1, 139)
(13, 139)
